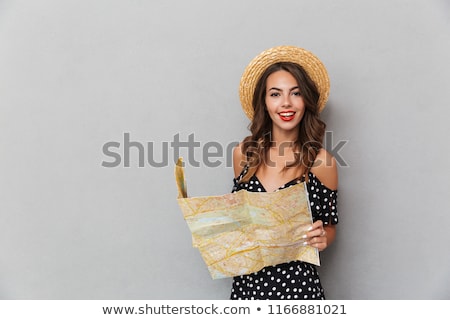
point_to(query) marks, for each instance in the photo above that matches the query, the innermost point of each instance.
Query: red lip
(287, 118)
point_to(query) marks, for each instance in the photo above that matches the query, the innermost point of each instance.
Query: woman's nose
(287, 101)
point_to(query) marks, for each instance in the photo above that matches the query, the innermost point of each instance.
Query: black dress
(294, 280)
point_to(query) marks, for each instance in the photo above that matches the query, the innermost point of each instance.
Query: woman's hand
(317, 236)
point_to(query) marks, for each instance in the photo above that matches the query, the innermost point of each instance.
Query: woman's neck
(279, 137)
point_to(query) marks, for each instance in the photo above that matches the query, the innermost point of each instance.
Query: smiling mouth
(287, 115)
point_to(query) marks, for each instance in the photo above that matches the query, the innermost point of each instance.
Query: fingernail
(305, 243)
(309, 229)
(304, 236)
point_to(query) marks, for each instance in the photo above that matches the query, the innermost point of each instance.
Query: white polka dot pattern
(295, 280)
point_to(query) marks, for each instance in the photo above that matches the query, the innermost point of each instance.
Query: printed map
(241, 233)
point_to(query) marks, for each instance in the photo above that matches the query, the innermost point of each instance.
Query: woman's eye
(274, 94)
(296, 93)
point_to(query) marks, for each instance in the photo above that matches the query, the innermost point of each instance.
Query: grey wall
(75, 75)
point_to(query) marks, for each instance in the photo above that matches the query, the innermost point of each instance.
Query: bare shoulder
(325, 169)
(238, 160)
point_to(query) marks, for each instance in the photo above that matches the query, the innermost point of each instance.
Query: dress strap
(242, 174)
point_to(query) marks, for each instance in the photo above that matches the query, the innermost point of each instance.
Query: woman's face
(284, 102)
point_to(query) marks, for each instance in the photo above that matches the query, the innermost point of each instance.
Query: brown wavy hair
(311, 129)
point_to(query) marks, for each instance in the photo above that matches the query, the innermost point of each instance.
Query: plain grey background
(77, 74)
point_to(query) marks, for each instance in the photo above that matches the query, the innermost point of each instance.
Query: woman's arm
(238, 160)
(325, 169)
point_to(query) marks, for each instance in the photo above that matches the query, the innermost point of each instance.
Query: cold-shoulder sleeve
(323, 201)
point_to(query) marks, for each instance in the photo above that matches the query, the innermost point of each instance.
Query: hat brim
(312, 65)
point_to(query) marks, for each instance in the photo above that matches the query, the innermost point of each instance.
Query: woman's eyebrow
(278, 89)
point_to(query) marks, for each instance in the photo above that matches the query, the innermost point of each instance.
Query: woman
(283, 91)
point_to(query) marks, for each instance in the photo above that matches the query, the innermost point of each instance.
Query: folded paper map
(242, 232)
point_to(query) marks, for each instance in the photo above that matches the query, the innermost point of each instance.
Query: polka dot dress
(294, 280)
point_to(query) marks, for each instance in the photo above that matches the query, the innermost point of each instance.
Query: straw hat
(312, 65)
